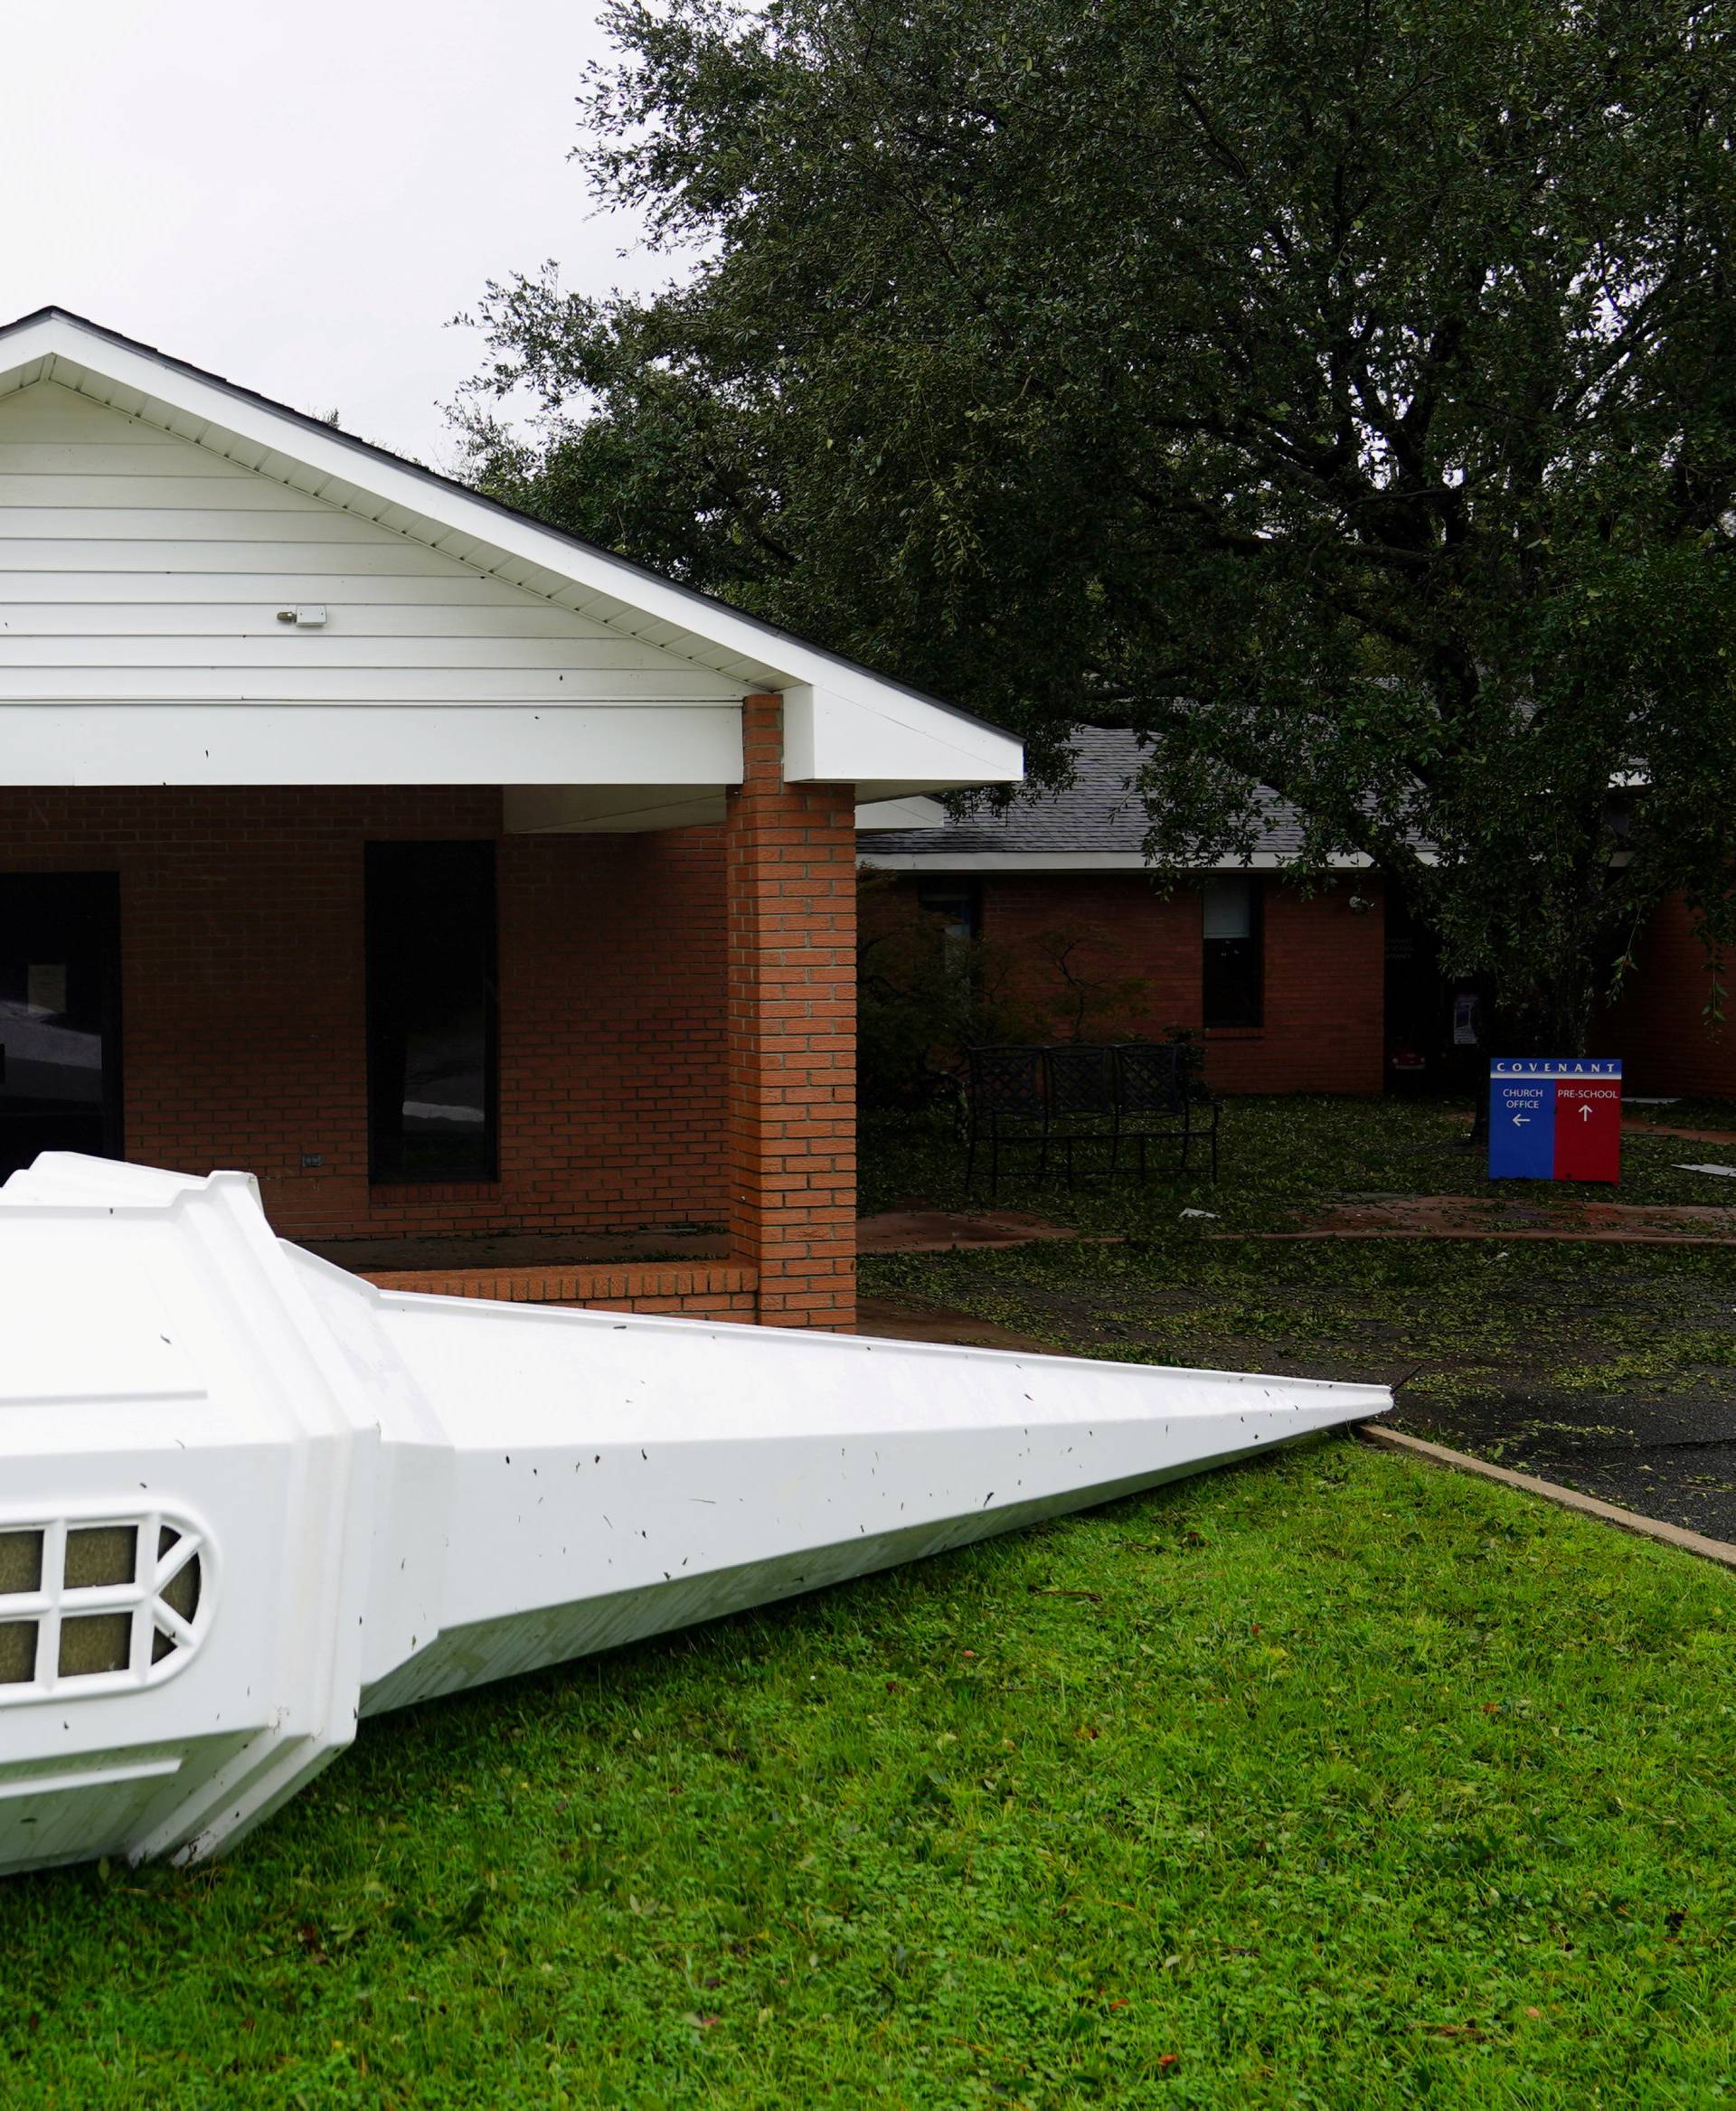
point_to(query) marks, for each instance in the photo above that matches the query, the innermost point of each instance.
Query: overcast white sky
(299, 197)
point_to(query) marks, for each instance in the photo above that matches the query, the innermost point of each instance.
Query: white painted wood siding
(137, 567)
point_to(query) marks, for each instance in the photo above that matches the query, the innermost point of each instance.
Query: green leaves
(1344, 396)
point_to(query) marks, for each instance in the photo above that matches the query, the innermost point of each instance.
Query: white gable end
(140, 570)
(134, 564)
(197, 587)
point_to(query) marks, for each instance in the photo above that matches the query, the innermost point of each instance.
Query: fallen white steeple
(246, 1499)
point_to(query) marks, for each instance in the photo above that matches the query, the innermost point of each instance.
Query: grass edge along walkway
(1630, 1520)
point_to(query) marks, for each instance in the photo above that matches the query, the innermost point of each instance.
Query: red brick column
(791, 852)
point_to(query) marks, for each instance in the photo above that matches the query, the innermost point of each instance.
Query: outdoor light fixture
(1359, 905)
(247, 1499)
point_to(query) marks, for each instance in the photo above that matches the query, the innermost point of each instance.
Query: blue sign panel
(1521, 1128)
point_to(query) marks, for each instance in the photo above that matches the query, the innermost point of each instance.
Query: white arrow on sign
(1519, 1120)
(1585, 1113)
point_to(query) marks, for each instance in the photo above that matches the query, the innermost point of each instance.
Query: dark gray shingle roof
(1098, 812)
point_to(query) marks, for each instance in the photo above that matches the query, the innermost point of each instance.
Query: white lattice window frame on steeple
(161, 1638)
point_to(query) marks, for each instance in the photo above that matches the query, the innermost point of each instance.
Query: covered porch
(461, 881)
(611, 1068)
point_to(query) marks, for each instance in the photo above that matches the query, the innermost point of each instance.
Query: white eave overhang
(842, 723)
(1067, 861)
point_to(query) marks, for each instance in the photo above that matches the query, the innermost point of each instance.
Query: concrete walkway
(961, 1232)
(915, 1319)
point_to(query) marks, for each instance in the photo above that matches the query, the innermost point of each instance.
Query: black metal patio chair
(1004, 1104)
(1161, 1099)
(1082, 1106)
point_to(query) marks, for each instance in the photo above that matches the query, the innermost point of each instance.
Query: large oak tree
(1341, 391)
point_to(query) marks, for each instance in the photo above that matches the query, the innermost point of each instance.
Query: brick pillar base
(791, 852)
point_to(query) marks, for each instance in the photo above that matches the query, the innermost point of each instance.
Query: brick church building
(490, 898)
(1336, 991)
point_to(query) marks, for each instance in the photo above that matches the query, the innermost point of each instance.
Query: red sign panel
(1588, 1129)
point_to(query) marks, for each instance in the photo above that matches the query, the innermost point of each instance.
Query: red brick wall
(1659, 1028)
(1125, 931)
(1324, 967)
(792, 1009)
(243, 1004)
(1325, 999)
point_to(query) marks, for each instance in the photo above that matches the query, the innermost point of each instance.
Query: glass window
(955, 902)
(958, 907)
(60, 994)
(1233, 982)
(432, 1064)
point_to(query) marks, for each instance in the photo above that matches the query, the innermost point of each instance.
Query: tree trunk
(1567, 1010)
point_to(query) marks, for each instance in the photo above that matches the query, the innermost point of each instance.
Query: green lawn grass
(1332, 1780)
(1328, 1781)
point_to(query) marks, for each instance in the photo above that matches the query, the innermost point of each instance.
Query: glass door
(60, 1015)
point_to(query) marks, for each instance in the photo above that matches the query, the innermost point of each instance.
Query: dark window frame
(384, 897)
(1232, 971)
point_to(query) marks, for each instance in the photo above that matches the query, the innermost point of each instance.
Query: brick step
(723, 1290)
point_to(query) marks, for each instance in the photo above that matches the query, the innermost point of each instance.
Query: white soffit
(912, 813)
(843, 723)
(599, 809)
